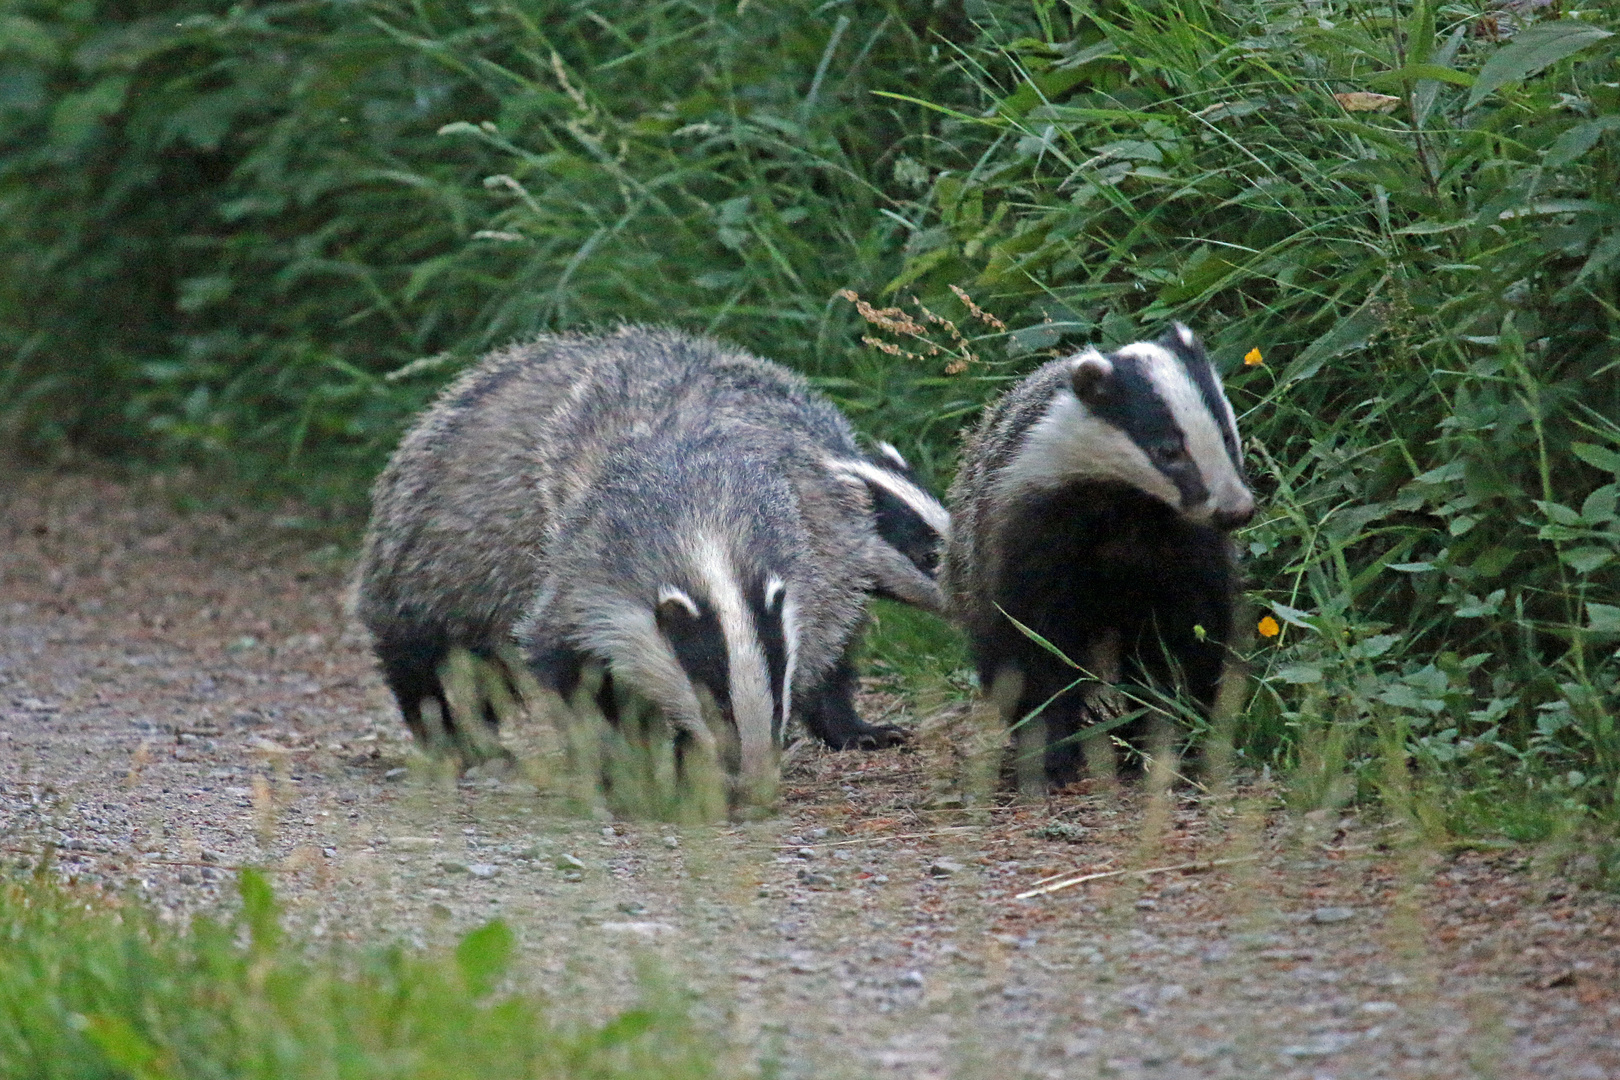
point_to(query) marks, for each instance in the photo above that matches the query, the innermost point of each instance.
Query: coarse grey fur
(689, 574)
(466, 518)
(1092, 505)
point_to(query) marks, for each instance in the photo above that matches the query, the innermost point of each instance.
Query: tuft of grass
(95, 988)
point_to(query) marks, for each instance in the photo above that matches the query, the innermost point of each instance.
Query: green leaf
(1475, 608)
(1413, 72)
(1531, 50)
(20, 34)
(1351, 332)
(624, 1028)
(78, 116)
(1599, 507)
(1560, 513)
(1599, 457)
(124, 1046)
(484, 955)
(259, 908)
(1584, 560)
(1604, 618)
(1579, 139)
(1300, 674)
(1292, 616)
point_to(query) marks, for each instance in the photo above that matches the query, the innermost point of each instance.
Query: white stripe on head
(918, 501)
(1199, 426)
(1070, 443)
(888, 450)
(626, 634)
(751, 703)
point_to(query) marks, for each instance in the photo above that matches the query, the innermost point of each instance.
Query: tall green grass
(258, 239)
(1408, 212)
(94, 989)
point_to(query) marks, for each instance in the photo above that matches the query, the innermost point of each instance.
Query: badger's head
(678, 576)
(909, 526)
(1152, 416)
(732, 633)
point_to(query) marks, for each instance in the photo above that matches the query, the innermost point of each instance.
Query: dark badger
(1092, 505)
(693, 518)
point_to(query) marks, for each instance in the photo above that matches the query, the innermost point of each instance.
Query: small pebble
(672, 842)
(450, 866)
(396, 774)
(814, 880)
(944, 867)
(483, 870)
(1332, 914)
(565, 861)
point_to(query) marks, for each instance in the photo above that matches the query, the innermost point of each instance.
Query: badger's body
(573, 459)
(1091, 506)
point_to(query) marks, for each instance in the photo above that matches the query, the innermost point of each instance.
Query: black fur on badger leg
(413, 664)
(1095, 562)
(410, 666)
(829, 713)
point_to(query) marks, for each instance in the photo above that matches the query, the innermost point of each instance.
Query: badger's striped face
(1152, 416)
(905, 515)
(735, 637)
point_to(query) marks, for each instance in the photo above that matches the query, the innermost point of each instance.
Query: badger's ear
(675, 607)
(1092, 375)
(1180, 340)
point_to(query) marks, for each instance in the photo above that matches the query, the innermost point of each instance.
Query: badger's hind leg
(829, 713)
(410, 667)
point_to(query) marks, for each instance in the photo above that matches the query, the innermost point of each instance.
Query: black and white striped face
(1151, 415)
(735, 639)
(906, 516)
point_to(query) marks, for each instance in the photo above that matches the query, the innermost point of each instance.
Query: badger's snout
(1233, 517)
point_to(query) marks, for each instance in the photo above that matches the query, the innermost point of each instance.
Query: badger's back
(471, 496)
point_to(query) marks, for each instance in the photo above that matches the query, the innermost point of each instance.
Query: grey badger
(1092, 505)
(655, 502)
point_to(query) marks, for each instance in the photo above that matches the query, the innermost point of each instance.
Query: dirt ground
(183, 694)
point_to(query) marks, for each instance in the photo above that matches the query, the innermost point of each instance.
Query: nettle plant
(1410, 208)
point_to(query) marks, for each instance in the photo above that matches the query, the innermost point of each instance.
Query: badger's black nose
(1232, 519)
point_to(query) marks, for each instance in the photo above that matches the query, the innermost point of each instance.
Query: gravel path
(182, 694)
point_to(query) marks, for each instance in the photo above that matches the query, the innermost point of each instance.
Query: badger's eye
(1168, 453)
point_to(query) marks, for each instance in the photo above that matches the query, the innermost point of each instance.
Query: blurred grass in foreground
(91, 988)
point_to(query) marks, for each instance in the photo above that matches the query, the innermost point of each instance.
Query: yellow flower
(1268, 627)
(1252, 358)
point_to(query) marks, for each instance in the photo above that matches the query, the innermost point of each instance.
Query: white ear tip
(669, 594)
(1094, 363)
(1185, 334)
(888, 450)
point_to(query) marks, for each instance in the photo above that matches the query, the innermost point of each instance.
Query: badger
(693, 576)
(1092, 505)
(497, 483)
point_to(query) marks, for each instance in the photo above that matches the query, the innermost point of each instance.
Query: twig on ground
(1201, 864)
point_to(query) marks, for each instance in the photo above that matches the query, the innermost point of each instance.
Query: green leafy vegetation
(258, 240)
(93, 989)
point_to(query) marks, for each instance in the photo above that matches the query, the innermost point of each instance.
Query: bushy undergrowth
(1408, 215)
(263, 237)
(92, 990)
